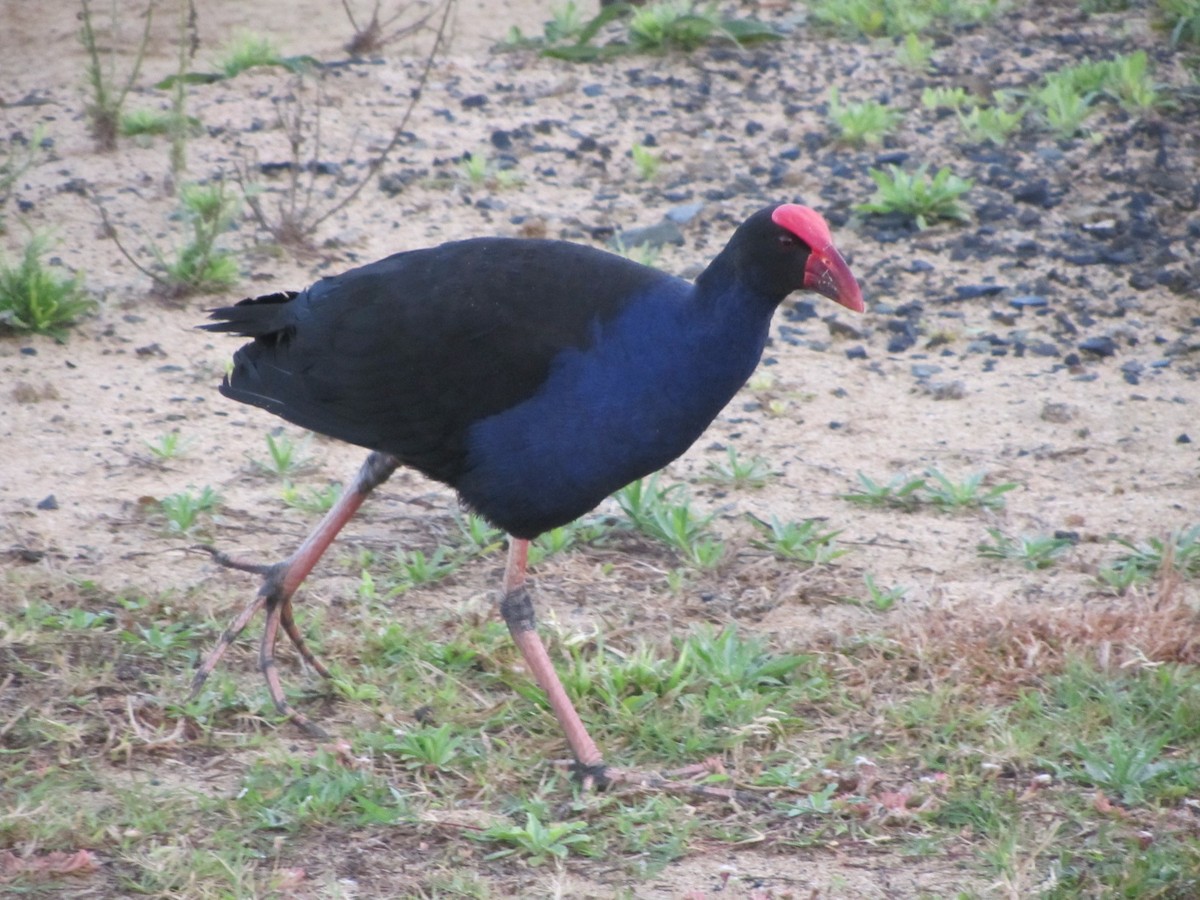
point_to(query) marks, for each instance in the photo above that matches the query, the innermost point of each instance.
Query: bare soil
(1101, 446)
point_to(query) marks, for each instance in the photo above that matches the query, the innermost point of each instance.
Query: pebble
(945, 390)
(665, 232)
(1058, 413)
(681, 215)
(858, 352)
(1099, 346)
(1035, 193)
(973, 292)
(1028, 301)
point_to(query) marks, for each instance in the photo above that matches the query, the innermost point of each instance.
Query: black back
(404, 354)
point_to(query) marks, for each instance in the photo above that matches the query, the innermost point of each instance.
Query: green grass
(954, 758)
(36, 298)
(917, 195)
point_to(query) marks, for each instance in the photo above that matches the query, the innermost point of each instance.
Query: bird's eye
(787, 240)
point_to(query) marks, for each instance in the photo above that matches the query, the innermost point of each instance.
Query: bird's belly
(595, 426)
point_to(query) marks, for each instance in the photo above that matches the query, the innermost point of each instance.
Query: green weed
(247, 51)
(168, 446)
(312, 499)
(739, 472)
(1033, 552)
(183, 509)
(666, 514)
(934, 98)
(901, 492)
(35, 298)
(535, 841)
(872, 18)
(915, 52)
(199, 265)
(992, 124)
(1182, 19)
(285, 457)
(645, 162)
(864, 122)
(946, 493)
(798, 541)
(652, 28)
(918, 196)
(1179, 552)
(879, 598)
(1063, 106)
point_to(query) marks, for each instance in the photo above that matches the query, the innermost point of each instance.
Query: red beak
(827, 274)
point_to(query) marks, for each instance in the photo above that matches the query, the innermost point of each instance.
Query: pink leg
(280, 582)
(517, 610)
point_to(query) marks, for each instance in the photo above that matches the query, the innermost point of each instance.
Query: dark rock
(665, 232)
(1099, 346)
(48, 502)
(1035, 193)
(1183, 439)
(475, 101)
(801, 311)
(1028, 300)
(859, 352)
(975, 291)
(838, 328)
(1045, 348)
(946, 390)
(891, 158)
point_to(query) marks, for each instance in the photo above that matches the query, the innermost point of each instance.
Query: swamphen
(535, 377)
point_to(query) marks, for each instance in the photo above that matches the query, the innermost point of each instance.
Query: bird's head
(788, 248)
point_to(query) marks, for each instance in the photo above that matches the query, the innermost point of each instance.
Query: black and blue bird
(534, 377)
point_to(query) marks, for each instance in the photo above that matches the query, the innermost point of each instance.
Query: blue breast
(648, 385)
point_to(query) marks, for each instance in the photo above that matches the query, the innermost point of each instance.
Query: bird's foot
(276, 597)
